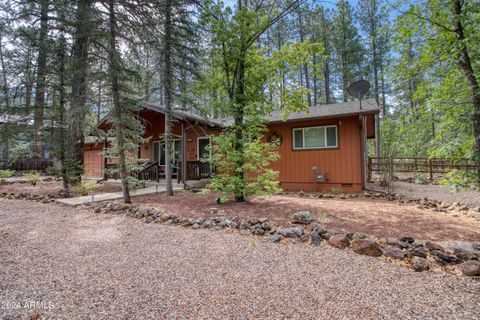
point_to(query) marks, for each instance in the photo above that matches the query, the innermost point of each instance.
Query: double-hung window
(315, 137)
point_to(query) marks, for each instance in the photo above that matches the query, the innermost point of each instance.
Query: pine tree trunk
(465, 64)
(39, 104)
(114, 68)
(168, 87)
(6, 94)
(63, 144)
(326, 66)
(304, 66)
(79, 79)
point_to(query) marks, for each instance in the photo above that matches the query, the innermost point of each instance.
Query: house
(321, 149)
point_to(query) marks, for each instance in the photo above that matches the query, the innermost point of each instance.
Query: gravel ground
(441, 193)
(110, 267)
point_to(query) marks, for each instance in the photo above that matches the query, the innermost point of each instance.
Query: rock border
(460, 258)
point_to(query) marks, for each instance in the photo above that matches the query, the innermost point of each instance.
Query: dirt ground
(53, 187)
(381, 218)
(77, 265)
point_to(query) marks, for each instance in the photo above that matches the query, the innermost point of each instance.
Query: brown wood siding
(342, 164)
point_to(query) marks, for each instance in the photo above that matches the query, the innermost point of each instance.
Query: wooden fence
(418, 165)
(28, 164)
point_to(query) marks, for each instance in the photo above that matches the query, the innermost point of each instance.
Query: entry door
(202, 154)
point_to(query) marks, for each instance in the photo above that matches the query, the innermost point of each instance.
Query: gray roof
(185, 115)
(335, 110)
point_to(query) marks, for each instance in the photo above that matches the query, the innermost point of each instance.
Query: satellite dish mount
(358, 89)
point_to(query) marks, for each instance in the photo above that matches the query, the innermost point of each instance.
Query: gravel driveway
(86, 266)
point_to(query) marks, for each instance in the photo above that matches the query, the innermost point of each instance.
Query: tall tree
(41, 64)
(78, 108)
(347, 47)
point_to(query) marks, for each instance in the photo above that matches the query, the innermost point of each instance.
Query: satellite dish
(359, 88)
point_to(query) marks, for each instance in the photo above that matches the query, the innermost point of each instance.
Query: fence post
(369, 169)
(430, 169)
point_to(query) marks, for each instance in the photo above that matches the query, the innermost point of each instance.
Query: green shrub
(336, 191)
(32, 177)
(458, 180)
(420, 178)
(84, 188)
(4, 174)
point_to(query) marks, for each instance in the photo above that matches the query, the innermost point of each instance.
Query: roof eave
(333, 116)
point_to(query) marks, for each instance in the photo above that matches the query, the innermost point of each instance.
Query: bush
(336, 191)
(4, 174)
(84, 188)
(458, 180)
(32, 177)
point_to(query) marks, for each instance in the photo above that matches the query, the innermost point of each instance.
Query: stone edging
(458, 258)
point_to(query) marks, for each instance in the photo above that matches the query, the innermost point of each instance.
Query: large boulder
(471, 268)
(394, 252)
(464, 251)
(304, 217)
(444, 258)
(420, 264)
(366, 247)
(340, 241)
(292, 232)
(275, 238)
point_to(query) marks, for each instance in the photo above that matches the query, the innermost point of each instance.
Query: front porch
(190, 140)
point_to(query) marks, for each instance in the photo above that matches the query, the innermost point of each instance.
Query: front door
(203, 155)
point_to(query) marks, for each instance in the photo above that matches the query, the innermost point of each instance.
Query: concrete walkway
(116, 195)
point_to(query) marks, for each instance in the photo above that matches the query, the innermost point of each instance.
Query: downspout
(363, 147)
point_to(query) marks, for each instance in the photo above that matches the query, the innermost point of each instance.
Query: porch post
(184, 153)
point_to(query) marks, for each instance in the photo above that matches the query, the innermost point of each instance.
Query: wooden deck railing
(196, 170)
(421, 165)
(150, 172)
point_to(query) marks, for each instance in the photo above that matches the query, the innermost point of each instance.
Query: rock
(366, 247)
(464, 251)
(433, 246)
(407, 239)
(267, 226)
(293, 232)
(394, 252)
(316, 238)
(339, 241)
(444, 258)
(397, 243)
(195, 226)
(471, 268)
(303, 217)
(318, 228)
(243, 225)
(476, 245)
(420, 264)
(275, 238)
(419, 252)
(165, 217)
(359, 235)
(207, 223)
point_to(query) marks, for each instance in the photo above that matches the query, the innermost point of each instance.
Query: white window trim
(313, 148)
(198, 146)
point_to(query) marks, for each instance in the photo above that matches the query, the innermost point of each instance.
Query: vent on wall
(347, 185)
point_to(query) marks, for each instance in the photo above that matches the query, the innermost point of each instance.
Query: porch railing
(150, 172)
(195, 170)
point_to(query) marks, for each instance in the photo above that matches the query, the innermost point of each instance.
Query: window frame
(302, 129)
(162, 142)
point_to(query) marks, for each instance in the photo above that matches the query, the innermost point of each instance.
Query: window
(315, 137)
(159, 152)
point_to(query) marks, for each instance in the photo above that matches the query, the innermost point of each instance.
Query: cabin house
(319, 150)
